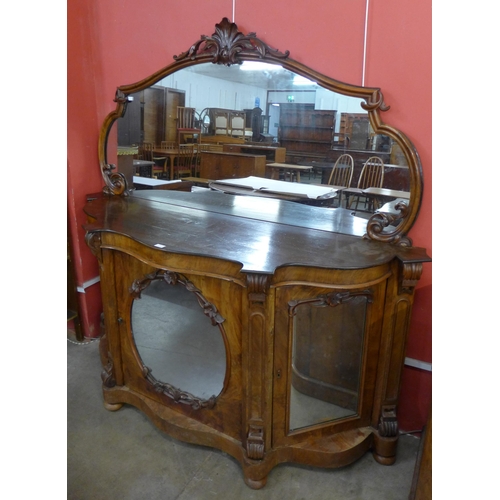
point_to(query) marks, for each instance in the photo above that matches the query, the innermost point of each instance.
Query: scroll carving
(331, 299)
(228, 45)
(177, 395)
(107, 375)
(257, 287)
(93, 241)
(255, 442)
(172, 278)
(388, 424)
(209, 309)
(410, 274)
(380, 221)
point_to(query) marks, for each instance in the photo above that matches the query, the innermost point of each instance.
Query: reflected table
(287, 169)
(270, 188)
(143, 168)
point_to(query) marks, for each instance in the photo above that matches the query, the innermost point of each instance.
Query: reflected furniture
(309, 306)
(286, 170)
(144, 168)
(222, 165)
(225, 123)
(305, 132)
(341, 175)
(171, 154)
(187, 131)
(150, 183)
(372, 175)
(273, 153)
(282, 190)
(342, 171)
(184, 165)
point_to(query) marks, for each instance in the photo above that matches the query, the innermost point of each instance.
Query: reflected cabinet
(272, 330)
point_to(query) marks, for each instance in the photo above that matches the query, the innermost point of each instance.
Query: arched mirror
(257, 99)
(179, 339)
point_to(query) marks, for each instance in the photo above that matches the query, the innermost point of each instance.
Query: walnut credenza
(303, 311)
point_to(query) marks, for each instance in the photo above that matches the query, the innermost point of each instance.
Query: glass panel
(177, 341)
(326, 358)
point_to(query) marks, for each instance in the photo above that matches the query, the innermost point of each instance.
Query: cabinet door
(326, 351)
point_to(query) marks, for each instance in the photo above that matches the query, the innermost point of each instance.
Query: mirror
(327, 353)
(179, 339)
(246, 93)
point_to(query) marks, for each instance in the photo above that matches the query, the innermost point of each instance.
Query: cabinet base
(331, 451)
(384, 449)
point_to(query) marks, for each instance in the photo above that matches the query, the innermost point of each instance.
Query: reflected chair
(341, 175)
(186, 126)
(372, 175)
(160, 169)
(145, 153)
(184, 166)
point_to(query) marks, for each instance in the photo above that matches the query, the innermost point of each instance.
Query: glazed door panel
(326, 342)
(181, 321)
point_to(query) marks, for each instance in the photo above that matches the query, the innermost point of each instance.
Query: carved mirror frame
(228, 46)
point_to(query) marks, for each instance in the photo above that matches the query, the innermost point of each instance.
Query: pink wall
(119, 42)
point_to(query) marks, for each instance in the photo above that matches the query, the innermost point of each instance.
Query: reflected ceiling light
(300, 80)
(259, 66)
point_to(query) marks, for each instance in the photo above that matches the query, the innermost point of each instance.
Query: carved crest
(227, 45)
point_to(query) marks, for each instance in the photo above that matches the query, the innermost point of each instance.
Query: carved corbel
(257, 284)
(255, 442)
(388, 424)
(409, 276)
(93, 241)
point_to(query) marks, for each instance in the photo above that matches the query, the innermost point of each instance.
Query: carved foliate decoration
(410, 275)
(176, 394)
(258, 285)
(388, 424)
(172, 278)
(107, 375)
(255, 442)
(209, 309)
(93, 241)
(228, 45)
(331, 299)
(379, 221)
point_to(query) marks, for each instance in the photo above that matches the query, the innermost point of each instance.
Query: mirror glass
(263, 104)
(177, 341)
(327, 355)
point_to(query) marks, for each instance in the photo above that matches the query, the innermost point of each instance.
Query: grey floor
(121, 455)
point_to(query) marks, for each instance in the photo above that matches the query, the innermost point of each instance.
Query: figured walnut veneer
(253, 290)
(252, 264)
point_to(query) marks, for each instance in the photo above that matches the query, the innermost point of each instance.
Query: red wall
(118, 42)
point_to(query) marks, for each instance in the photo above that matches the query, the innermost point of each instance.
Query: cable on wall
(364, 43)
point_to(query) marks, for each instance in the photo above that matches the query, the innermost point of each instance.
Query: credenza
(309, 324)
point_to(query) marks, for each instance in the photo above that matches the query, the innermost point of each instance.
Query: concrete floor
(121, 455)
